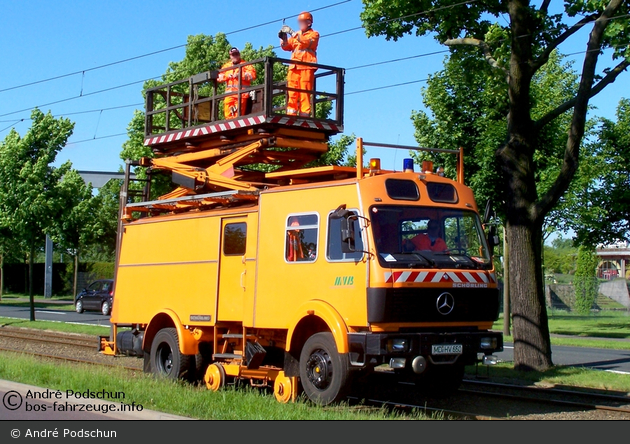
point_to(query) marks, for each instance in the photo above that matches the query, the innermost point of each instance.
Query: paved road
(598, 358)
(90, 318)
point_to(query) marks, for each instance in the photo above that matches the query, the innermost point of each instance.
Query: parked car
(98, 296)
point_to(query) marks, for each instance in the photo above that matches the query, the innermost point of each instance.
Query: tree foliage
(33, 193)
(517, 40)
(605, 203)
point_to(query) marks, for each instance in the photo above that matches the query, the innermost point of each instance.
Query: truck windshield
(429, 237)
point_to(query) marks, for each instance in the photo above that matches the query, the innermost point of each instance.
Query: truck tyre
(166, 359)
(324, 373)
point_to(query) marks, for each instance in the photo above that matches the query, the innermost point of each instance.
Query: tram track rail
(44, 336)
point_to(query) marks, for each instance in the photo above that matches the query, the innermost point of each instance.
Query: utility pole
(48, 268)
(506, 287)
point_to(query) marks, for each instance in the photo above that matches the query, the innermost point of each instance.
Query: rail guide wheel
(285, 388)
(215, 377)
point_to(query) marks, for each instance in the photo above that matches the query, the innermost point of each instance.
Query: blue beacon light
(408, 165)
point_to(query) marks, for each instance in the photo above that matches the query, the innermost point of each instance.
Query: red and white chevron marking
(435, 277)
(204, 130)
(238, 123)
(294, 121)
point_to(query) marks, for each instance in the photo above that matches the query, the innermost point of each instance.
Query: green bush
(585, 281)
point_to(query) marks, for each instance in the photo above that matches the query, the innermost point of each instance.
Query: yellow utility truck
(256, 267)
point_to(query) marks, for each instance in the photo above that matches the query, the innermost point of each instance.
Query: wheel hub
(319, 369)
(166, 359)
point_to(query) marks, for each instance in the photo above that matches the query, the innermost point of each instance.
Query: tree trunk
(76, 274)
(532, 346)
(1, 275)
(30, 280)
(506, 286)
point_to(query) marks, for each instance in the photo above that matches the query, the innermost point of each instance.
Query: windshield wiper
(474, 263)
(426, 259)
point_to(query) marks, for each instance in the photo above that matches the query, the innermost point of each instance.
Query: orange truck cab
(303, 279)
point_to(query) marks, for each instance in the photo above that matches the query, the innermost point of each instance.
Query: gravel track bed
(68, 351)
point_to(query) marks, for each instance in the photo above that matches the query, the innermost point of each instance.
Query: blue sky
(43, 39)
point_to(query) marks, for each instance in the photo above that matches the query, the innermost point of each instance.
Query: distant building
(613, 259)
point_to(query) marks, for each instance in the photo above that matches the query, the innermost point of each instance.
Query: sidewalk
(14, 406)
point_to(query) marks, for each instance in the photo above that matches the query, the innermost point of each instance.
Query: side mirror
(347, 235)
(493, 237)
(488, 213)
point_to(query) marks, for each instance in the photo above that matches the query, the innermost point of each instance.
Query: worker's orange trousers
(300, 101)
(230, 106)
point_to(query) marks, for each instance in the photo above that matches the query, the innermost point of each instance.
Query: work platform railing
(196, 103)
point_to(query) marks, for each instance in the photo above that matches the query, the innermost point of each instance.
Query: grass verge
(42, 305)
(559, 377)
(56, 326)
(175, 397)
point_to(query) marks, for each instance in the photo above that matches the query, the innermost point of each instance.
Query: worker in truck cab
(303, 47)
(430, 240)
(231, 79)
(294, 243)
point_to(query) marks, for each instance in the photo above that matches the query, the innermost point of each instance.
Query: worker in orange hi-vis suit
(231, 79)
(303, 45)
(294, 243)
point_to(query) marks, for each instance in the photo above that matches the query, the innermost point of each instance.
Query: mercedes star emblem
(445, 303)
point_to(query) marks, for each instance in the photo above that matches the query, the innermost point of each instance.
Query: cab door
(233, 279)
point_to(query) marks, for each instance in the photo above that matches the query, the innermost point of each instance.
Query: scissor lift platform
(187, 115)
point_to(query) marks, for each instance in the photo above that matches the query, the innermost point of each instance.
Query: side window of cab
(301, 235)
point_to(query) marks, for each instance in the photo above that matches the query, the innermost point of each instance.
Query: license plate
(446, 349)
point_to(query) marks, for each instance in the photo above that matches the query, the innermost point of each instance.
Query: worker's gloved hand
(282, 35)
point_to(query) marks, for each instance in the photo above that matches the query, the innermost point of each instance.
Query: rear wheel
(79, 306)
(166, 359)
(106, 308)
(324, 373)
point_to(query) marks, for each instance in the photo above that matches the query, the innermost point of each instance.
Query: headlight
(398, 345)
(397, 362)
(488, 343)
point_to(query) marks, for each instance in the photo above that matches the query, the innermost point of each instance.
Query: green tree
(585, 281)
(31, 188)
(517, 39)
(78, 225)
(607, 200)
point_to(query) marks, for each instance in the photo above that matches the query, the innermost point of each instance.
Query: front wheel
(324, 373)
(166, 359)
(79, 306)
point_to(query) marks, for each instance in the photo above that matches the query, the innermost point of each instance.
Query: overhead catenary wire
(351, 68)
(172, 48)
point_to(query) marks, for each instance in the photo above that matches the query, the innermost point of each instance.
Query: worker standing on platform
(231, 79)
(303, 45)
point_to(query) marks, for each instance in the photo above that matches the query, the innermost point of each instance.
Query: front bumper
(371, 349)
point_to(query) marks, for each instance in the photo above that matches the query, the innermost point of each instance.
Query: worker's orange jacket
(304, 47)
(230, 77)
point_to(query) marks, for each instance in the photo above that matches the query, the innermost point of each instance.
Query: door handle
(242, 276)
